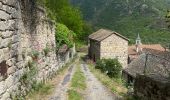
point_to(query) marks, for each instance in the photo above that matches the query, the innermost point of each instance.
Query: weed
(74, 95)
(78, 85)
(46, 50)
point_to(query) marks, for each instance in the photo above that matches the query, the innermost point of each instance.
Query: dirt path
(61, 90)
(95, 90)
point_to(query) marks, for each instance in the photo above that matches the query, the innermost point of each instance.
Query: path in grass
(95, 89)
(61, 90)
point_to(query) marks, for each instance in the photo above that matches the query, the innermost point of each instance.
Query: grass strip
(78, 85)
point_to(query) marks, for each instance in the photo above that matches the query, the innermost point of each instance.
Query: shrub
(35, 54)
(111, 67)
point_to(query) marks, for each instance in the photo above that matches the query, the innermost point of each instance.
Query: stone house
(108, 44)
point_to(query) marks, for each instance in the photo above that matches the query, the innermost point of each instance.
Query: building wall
(115, 47)
(94, 50)
(24, 28)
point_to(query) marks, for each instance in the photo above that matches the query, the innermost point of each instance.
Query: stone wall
(152, 87)
(26, 37)
(115, 47)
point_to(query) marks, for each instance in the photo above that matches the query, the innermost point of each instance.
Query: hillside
(129, 17)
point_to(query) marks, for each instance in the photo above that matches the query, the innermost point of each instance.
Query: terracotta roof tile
(132, 49)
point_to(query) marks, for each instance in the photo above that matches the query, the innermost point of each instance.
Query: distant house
(108, 44)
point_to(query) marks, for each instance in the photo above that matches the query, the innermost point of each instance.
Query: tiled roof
(132, 49)
(104, 33)
(156, 63)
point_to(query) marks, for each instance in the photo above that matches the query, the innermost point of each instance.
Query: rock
(6, 53)
(15, 38)
(6, 34)
(5, 43)
(4, 15)
(10, 62)
(6, 96)
(10, 9)
(3, 25)
(0, 5)
(2, 87)
(9, 81)
(11, 70)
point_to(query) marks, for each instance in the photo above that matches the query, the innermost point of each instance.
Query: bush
(111, 67)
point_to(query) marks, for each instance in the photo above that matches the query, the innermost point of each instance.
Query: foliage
(64, 36)
(129, 17)
(39, 89)
(28, 76)
(63, 12)
(35, 54)
(111, 66)
(74, 95)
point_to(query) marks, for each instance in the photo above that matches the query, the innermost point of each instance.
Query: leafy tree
(63, 12)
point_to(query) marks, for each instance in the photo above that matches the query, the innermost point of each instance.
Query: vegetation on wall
(61, 11)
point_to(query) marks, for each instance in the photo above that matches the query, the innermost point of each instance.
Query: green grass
(74, 95)
(115, 85)
(40, 90)
(78, 85)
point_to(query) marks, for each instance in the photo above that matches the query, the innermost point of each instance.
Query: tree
(64, 36)
(63, 12)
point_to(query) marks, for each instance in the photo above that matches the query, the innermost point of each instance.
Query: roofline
(113, 32)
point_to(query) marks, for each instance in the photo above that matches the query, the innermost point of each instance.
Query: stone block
(9, 81)
(15, 38)
(11, 62)
(6, 96)
(3, 25)
(6, 34)
(2, 87)
(4, 54)
(11, 70)
(4, 15)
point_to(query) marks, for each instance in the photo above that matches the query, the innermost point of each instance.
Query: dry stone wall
(26, 38)
(152, 87)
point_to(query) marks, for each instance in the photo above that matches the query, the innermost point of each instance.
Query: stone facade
(24, 29)
(115, 47)
(112, 46)
(152, 87)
